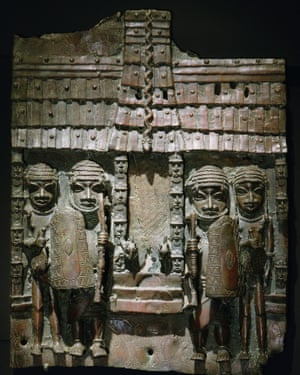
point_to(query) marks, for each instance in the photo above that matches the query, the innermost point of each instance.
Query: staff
(101, 243)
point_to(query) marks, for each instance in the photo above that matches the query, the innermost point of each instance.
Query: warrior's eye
(259, 190)
(241, 190)
(76, 188)
(50, 187)
(32, 188)
(200, 196)
(219, 196)
(97, 188)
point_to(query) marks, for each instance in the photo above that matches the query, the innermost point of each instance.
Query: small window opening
(217, 89)
(138, 94)
(165, 94)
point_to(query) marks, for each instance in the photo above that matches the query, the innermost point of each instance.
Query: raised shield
(222, 267)
(70, 267)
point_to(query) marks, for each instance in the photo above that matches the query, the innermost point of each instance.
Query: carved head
(280, 168)
(175, 167)
(121, 164)
(207, 189)
(41, 181)
(177, 264)
(249, 184)
(120, 229)
(176, 200)
(120, 194)
(176, 231)
(87, 181)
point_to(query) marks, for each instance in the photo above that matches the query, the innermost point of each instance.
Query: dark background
(212, 29)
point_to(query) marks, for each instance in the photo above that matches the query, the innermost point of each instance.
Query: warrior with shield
(79, 237)
(41, 182)
(211, 258)
(256, 252)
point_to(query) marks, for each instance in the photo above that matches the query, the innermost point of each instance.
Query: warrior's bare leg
(261, 324)
(199, 329)
(77, 348)
(222, 335)
(245, 320)
(97, 347)
(37, 317)
(80, 301)
(54, 325)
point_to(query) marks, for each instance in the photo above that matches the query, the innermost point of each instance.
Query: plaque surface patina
(149, 203)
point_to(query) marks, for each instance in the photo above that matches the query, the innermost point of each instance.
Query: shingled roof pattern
(94, 97)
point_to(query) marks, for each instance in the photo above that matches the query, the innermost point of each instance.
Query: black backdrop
(212, 29)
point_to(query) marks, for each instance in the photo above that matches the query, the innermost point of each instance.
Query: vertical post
(176, 208)
(17, 225)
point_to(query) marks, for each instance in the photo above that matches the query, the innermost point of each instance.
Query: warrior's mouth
(250, 205)
(88, 205)
(211, 212)
(41, 200)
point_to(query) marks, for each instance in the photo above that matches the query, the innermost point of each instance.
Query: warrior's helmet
(87, 170)
(87, 181)
(41, 181)
(250, 173)
(249, 184)
(208, 189)
(209, 175)
(40, 172)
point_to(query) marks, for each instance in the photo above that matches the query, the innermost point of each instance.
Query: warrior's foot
(58, 347)
(263, 358)
(223, 354)
(36, 349)
(199, 355)
(98, 349)
(77, 349)
(244, 355)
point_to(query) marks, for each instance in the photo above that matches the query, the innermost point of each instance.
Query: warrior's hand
(165, 247)
(40, 241)
(268, 268)
(129, 248)
(254, 243)
(39, 264)
(254, 239)
(102, 238)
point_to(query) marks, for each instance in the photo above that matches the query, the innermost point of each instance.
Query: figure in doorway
(211, 258)
(42, 186)
(79, 237)
(256, 252)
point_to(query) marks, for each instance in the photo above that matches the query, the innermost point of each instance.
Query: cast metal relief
(149, 203)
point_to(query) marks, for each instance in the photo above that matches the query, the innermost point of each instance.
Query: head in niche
(87, 182)
(176, 200)
(41, 181)
(208, 191)
(177, 264)
(120, 194)
(249, 185)
(175, 167)
(177, 228)
(120, 229)
(121, 164)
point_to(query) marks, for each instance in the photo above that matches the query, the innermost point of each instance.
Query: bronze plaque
(148, 203)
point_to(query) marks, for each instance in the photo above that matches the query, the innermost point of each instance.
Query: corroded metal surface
(148, 203)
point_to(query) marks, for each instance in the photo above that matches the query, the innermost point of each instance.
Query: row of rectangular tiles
(129, 91)
(112, 139)
(260, 120)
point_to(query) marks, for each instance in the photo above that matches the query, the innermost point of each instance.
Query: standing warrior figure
(256, 251)
(78, 251)
(41, 182)
(211, 258)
